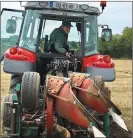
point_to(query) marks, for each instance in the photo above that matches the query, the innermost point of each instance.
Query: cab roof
(62, 6)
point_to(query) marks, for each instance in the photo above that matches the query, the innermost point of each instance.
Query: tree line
(120, 45)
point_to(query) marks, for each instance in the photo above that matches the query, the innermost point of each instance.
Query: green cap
(67, 23)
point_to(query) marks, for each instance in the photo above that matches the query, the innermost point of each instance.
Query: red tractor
(42, 103)
(30, 30)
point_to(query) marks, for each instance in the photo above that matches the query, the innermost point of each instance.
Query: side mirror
(11, 26)
(106, 35)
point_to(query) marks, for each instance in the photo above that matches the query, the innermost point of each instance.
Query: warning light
(103, 4)
(13, 50)
(107, 59)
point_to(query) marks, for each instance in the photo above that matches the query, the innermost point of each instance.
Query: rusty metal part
(49, 124)
(86, 90)
(67, 100)
(61, 98)
(54, 84)
(71, 103)
(61, 131)
(86, 113)
(94, 88)
(77, 78)
(68, 109)
(107, 100)
(97, 103)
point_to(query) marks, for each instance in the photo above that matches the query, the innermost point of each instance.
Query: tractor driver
(58, 39)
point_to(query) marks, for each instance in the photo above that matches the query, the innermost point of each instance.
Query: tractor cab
(26, 34)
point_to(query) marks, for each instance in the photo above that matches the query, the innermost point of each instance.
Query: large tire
(14, 80)
(7, 112)
(99, 81)
(107, 91)
(30, 88)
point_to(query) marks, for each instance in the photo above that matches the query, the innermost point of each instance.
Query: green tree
(120, 46)
(126, 42)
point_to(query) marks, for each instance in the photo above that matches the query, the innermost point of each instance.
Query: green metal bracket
(18, 87)
(14, 98)
(18, 121)
(29, 131)
(91, 124)
(16, 107)
(106, 125)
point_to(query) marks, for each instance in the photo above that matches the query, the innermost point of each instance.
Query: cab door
(11, 21)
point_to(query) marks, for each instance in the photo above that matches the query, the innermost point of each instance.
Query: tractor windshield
(31, 29)
(74, 37)
(91, 35)
(29, 33)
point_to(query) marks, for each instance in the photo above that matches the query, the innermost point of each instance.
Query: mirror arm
(102, 25)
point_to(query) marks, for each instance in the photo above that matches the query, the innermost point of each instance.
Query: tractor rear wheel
(7, 112)
(30, 88)
(107, 91)
(14, 80)
(99, 81)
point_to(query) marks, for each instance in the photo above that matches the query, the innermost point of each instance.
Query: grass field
(121, 88)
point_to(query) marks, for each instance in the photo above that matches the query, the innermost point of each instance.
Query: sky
(117, 15)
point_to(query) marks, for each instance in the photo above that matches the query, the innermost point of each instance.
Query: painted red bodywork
(91, 101)
(90, 61)
(49, 115)
(96, 61)
(21, 55)
(70, 111)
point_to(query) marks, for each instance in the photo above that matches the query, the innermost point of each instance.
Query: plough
(65, 107)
